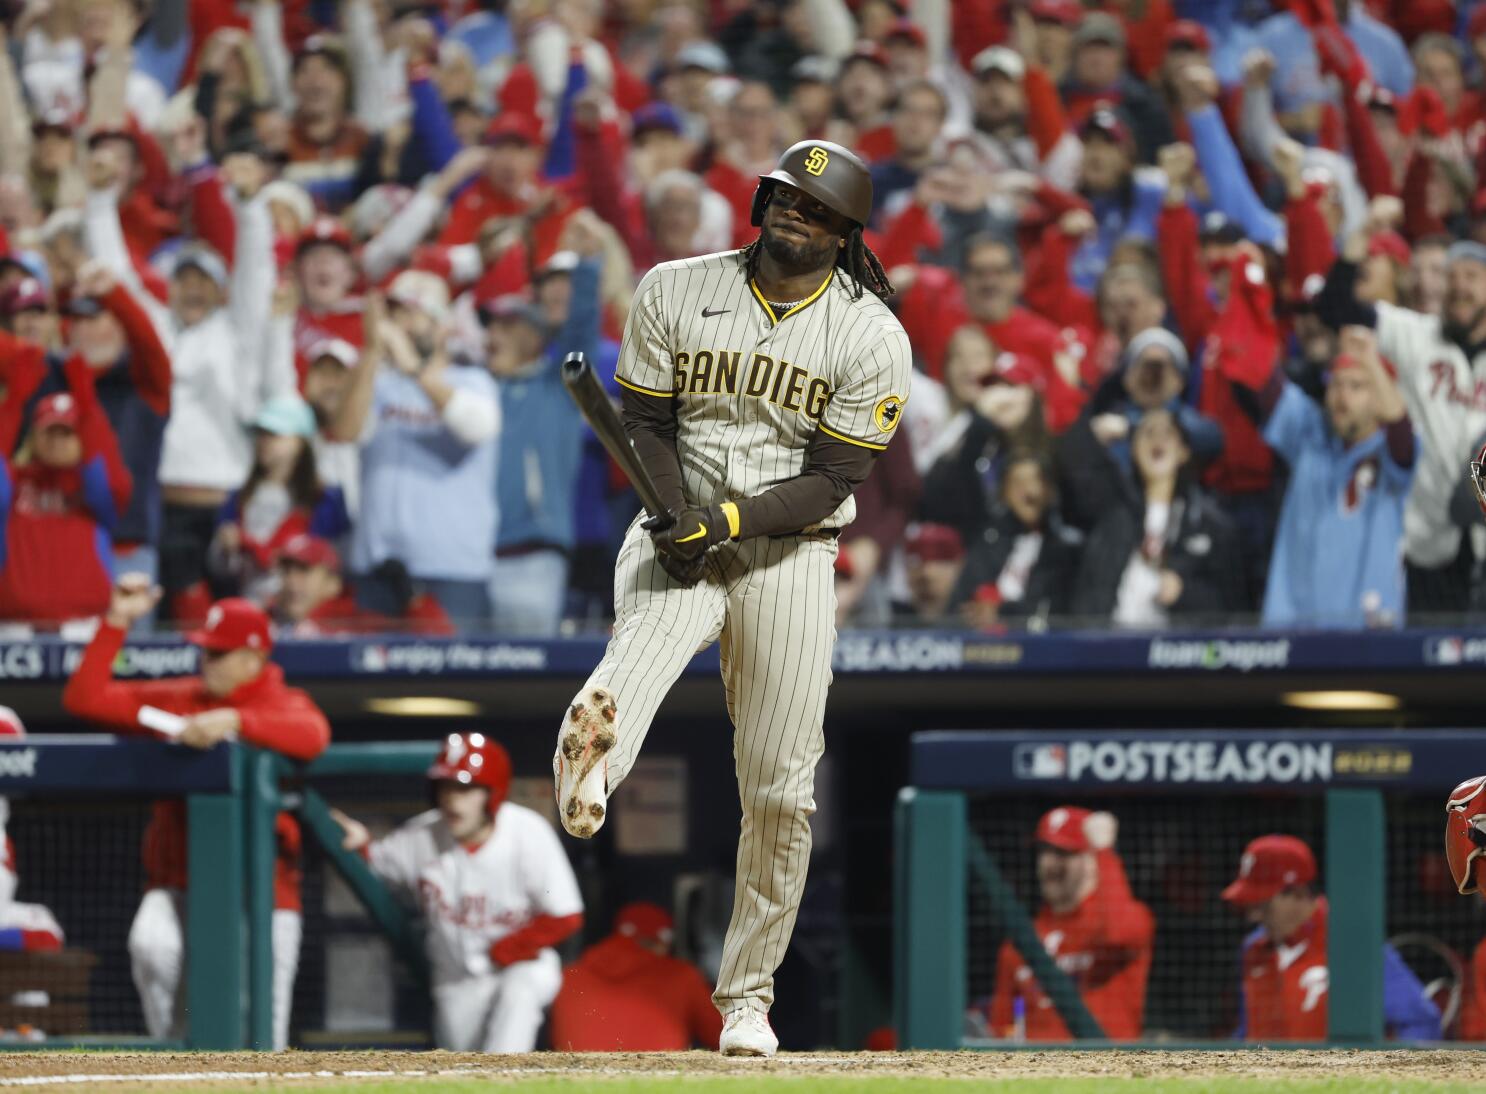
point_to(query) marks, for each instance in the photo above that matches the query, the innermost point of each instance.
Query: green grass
(744, 1084)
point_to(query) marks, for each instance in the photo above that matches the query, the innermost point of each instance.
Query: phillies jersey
(471, 897)
(1285, 989)
(1104, 945)
(1285, 984)
(1446, 397)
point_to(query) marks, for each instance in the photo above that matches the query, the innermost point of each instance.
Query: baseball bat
(583, 385)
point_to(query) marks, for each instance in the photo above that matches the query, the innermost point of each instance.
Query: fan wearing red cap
(1283, 975)
(510, 186)
(934, 554)
(30, 927)
(239, 696)
(1092, 926)
(495, 890)
(58, 511)
(627, 993)
(327, 270)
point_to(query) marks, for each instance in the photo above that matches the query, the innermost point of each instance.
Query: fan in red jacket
(1091, 925)
(239, 696)
(57, 513)
(628, 994)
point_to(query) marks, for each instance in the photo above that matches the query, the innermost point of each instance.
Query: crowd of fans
(1196, 291)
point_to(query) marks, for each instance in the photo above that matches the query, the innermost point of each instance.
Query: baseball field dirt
(703, 1073)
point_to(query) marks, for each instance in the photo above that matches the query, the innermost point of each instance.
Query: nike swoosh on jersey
(708, 313)
(698, 534)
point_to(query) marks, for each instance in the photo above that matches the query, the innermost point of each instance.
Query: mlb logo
(1445, 651)
(374, 659)
(1040, 761)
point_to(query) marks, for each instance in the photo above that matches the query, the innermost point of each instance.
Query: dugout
(838, 982)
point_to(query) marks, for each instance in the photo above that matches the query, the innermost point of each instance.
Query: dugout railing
(1371, 803)
(99, 769)
(232, 795)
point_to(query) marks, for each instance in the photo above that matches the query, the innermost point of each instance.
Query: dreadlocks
(856, 259)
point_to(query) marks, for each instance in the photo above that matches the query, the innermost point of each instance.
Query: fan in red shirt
(510, 187)
(58, 510)
(935, 304)
(1091, 925)
(628, 994)
(240, 695)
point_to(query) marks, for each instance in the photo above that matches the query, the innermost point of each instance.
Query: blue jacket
(1118, 219)
(427, 498)
(541, 442)
(1338, 555)
(592, 497)
(1227, 180)
(1298, 80)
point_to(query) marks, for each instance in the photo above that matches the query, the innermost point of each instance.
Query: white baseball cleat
(580, 767)
(746, 1032)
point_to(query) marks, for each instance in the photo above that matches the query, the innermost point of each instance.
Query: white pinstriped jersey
(752, 388)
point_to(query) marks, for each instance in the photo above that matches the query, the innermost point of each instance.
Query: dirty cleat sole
(581, 763)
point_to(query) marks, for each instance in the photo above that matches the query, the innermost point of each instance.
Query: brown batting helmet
(834, 176)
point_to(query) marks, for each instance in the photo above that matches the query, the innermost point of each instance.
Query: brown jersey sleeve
(833, 469)
(650, 424)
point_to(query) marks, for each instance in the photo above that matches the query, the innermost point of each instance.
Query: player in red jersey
(1091, 925)
(1284, 979)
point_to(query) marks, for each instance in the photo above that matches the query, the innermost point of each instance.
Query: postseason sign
(1233, 761)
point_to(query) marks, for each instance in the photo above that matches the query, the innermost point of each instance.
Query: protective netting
(1178, 853)
(350, 988)
(82, 861)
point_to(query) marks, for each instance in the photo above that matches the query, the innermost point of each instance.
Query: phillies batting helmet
(831, 174)
(1465, 842)
(473, 759)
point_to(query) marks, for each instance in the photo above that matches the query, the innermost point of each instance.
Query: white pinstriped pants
(772, 604)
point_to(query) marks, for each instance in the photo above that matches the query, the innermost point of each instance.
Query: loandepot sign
(1177, 761)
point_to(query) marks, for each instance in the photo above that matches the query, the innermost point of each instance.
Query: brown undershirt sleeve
(833, 469)
(650, 423)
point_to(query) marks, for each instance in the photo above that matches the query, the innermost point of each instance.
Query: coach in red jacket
(239, 696)
(628, 994)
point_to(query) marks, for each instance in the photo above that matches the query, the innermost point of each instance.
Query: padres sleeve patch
(888, 413)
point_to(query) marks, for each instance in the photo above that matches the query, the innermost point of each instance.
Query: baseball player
(759, 386)
(22, 926)
(1284, 980)
(496, 892)
(1091, 925)
(240, 695)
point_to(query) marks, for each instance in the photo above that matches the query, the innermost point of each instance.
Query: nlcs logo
(816, 162)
